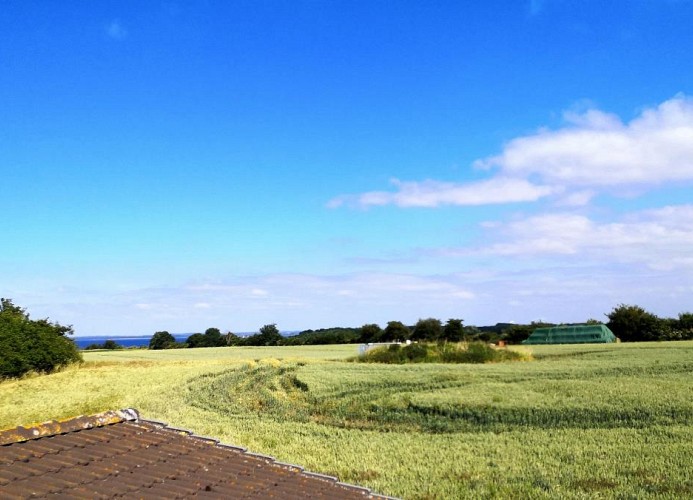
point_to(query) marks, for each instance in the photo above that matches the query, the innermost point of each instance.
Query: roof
(117, 453)
(572, 334)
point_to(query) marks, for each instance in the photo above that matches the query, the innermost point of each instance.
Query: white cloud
(597, 149)
(431, 193)
(593, 151)
(660, 239)
(577, 198)
(116, 30)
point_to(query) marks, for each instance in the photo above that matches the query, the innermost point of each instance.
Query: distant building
(573, 334)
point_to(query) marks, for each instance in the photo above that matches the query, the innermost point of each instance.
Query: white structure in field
(364, 348)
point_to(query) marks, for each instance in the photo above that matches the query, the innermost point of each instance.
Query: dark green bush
(32, 345)
(162, 340)
(476, 352)
(415, 352)
(444, 352)
(386, 354)
(211, 338)
(109, 345)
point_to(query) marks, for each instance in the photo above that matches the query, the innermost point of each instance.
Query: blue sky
(181, 165)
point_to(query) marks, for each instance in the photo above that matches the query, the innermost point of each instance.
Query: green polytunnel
(573, 334)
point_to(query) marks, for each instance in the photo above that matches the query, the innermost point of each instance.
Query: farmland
(576, 422)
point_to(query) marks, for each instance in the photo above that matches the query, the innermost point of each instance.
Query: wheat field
(589, 421)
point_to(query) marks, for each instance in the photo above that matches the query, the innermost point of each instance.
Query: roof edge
(270, 459)
(52, 427)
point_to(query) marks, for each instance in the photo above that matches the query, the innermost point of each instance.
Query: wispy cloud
(581, 282)
(293, 301)
(116, 31)
(594, 151)
(597, 149)
(658, 239)
(431, 193)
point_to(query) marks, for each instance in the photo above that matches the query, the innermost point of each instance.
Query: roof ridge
(21, 433)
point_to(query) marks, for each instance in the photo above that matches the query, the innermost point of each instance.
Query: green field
(595, 421)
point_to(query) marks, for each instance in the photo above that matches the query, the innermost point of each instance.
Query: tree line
(634, 324)
(109, 345)
(43, 346)
(268, 335)
(630, 323)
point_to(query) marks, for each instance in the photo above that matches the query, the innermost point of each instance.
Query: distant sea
(143, 340)
(133, 341)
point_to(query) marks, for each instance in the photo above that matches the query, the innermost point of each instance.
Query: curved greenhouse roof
(573, 334)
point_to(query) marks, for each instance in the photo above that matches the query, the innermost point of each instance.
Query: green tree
(517, 333)
(430, 329)
(454, 330)
(370, 333)
(395, 330)
(635, 324)
(232, 339)
(267, 336)
(685, 321)
(32, 345)
(8, 309)
(681, 328)
(162, 340)
(195, 340)
(111, 345)
(213, 338)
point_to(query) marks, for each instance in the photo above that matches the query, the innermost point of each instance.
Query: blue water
(133, 341)
(143, 340)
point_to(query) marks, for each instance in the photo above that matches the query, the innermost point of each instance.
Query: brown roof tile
(119, 454)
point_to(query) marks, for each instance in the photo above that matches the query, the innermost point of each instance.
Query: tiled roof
(119, 454)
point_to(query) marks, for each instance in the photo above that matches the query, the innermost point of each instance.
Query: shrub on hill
(32, 345)
(447, 352)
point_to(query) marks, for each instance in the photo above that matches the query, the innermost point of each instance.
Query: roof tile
(118, 454)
